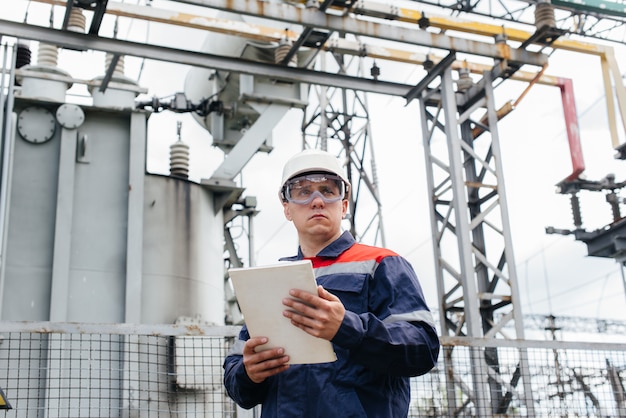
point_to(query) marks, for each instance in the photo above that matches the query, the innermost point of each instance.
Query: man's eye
(327, 191)
(303, 192)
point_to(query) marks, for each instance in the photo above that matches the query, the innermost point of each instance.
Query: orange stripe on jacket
(358, 252)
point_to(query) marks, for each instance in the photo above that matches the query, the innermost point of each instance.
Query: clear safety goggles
(302, 190)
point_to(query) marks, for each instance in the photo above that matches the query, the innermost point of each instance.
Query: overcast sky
(555, 275)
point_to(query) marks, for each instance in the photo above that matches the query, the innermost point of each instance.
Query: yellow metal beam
(611, 71)
(407, 15)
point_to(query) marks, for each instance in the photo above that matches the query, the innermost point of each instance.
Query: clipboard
(260, 291)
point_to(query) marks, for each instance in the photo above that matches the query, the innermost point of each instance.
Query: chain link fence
(122, 370)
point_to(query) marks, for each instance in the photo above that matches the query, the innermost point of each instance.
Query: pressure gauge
(36, 124)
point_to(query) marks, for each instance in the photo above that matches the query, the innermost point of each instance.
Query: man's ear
(344, 208)
(286, 211)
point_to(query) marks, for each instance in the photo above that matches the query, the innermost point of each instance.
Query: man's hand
(259, 366)
(319, 315)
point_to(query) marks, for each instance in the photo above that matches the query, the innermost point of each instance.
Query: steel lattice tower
(474, 261)
(338, 120)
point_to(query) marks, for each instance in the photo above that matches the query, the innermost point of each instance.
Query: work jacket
(387, 336)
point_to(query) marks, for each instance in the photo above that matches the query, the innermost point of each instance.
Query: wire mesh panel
(567, 380)
(121, 370)
(108, 372)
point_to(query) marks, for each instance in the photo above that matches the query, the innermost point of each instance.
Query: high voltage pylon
(474, 262)
(338, 120)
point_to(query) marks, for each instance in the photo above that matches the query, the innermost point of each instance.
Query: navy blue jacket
(387, 336)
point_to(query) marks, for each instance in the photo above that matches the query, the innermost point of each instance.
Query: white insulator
(119, 67)
(44, 81)
(281, 52)
(47, 55)
(122, 91)
(544, 15)
(465, 81)
(77, 21)
(179, 160)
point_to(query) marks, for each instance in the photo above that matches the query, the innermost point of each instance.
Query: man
(369, 305)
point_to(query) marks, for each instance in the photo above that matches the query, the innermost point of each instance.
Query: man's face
(316, 205)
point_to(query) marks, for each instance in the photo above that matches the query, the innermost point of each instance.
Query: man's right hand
(259, 366)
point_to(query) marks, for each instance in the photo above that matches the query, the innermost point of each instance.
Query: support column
(134, 240)
(63, 226)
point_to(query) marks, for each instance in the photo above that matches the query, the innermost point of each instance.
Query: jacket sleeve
(397, 335)
(240, 388)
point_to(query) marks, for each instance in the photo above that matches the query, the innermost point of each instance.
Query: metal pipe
(571, 127)
(8, 120)
(251, 250)
(623, 264)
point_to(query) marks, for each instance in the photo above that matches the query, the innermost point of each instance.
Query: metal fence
(122, 370)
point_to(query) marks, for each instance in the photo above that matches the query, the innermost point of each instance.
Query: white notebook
(260, 291)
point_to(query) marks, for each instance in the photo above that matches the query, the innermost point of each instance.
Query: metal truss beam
(312, 17)
(611, 76)
(159, 53)
(573, 17)
(344, 46)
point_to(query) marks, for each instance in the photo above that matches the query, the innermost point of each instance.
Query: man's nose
(317, 199)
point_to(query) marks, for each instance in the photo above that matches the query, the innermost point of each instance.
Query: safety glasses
(302, 190)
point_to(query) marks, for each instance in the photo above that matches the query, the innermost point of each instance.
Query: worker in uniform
(369, 305)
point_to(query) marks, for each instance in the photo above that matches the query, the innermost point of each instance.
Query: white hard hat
(311, 160)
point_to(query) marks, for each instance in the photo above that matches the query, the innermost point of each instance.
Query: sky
(555, 276)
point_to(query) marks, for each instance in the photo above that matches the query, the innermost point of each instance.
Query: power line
(578, 287)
